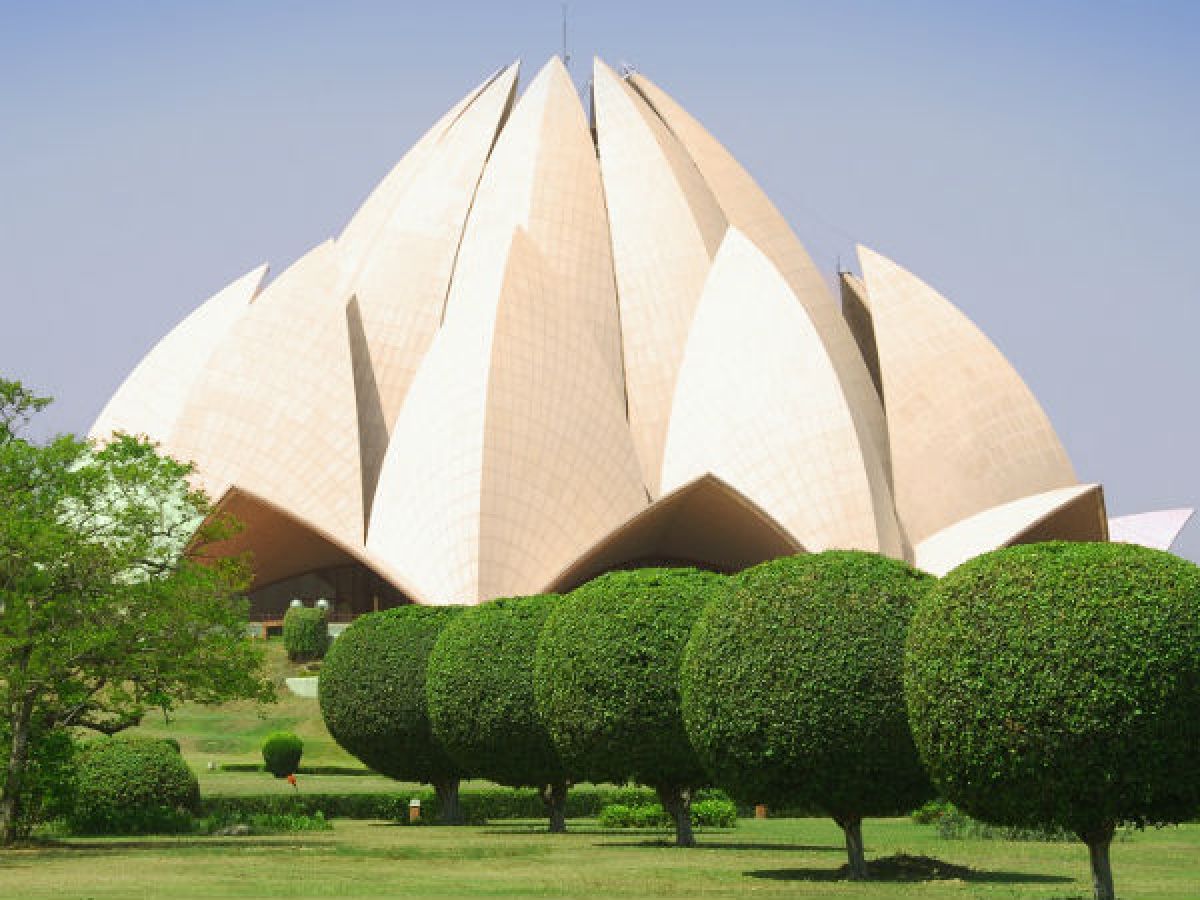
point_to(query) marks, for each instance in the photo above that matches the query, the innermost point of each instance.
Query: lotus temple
(556, 341)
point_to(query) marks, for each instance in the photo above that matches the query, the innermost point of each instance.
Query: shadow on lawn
(76, 848)
(701, 844)
(903, 867)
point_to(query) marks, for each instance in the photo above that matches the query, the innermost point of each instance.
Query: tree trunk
(1098, 843)
(14, 778)
(447, 794)
(554, 796)
(852, 827)
(678, 803)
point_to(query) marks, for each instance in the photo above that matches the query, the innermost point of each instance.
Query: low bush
(49, 783)
(305, 633)
(712, 813)
(281, 753)
(931, 811)
(478, 805)
(264, 823)
(132, 786)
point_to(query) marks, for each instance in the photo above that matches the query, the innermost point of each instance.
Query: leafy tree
(110, 604)
(372, 694)
(792, 688)
(606, 679)
(481, 702)
(1059, 685)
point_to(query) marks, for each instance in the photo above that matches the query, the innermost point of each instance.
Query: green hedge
(478, 805)
(131, 786)
(705, 814)
(302, 770)
(305, 633)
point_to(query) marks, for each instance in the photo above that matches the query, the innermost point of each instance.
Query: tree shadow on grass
(722, 845)
(903, 867)
(32, 853)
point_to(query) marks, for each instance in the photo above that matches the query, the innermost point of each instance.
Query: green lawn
(776, 858)
(234, 732)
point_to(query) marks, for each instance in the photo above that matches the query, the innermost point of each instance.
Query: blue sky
(1037, 162)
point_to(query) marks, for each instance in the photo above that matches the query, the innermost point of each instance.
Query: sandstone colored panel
(512, 451)
(770, 419)
(706, 524)
(274, 412)
(151, 398)
(543, 177)
(966, 433)
(665, 226)
(1073, 513)
(748, 209)
(400, 280)
(1157, 529)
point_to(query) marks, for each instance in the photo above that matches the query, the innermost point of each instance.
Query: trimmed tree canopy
(480, 690)
(607, 675)
(792, 688)
(372, 692)
(1059, 684)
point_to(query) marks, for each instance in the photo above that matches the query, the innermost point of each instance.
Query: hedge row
(303, 770)
(478, 805)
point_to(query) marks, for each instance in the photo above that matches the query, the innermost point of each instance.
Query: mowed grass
(774, 858)
(234, 732)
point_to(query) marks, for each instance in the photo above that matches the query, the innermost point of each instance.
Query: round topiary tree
(1059, 685)
(132, 785)
(481, 704)
(371, 690)
(305, 633)
(793, 693)
(606, 679)
(281, 753)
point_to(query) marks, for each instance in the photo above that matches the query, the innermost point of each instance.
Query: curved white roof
(548, 345)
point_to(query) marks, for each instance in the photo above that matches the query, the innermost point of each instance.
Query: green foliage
(111, 602)
(130, 786)
(1059, 685)
(480, 690)
(792, 689)
(478, 804)
(281, 753)
(305, 633)
(47, 789)
(704, 813)
(606, 675)
(372, 693)
(265, 823)
(929, 812)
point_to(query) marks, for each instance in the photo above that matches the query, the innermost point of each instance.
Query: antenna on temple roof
(566, 57)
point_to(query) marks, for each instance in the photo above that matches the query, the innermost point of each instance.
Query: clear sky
(1037, 162)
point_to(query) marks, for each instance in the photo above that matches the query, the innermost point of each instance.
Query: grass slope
(775, 858)
(234, 732)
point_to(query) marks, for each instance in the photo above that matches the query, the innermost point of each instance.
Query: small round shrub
(305, 633)
(606, 679)
(281, 753)
(1058, 684)
(371, 691)
(793, 692)
(131, 786)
